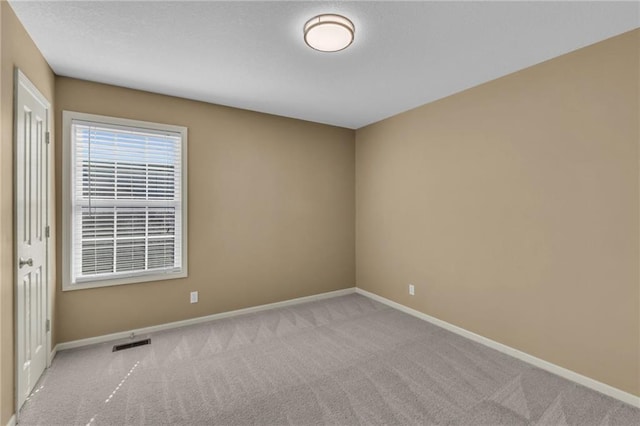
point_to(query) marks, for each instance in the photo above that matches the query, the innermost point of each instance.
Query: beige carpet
(343, 361)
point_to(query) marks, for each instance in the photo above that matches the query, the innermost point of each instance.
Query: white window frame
(67, 201)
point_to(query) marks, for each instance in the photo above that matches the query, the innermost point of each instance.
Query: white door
(31, 212)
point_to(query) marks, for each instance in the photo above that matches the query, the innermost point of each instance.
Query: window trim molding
(67, 202)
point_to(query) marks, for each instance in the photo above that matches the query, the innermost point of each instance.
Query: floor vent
(124, 346)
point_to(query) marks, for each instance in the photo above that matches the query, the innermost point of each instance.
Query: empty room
(327, 213)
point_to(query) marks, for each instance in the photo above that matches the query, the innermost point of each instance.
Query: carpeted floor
(344, 361)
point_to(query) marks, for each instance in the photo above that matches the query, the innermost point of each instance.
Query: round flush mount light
(329, 33)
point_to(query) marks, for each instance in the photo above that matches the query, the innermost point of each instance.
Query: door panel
(31, 161)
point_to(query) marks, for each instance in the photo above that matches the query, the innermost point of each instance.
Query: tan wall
(513, 208)
(271, 212)
(17, 50)
(3, 387)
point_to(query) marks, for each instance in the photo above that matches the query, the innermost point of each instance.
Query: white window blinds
(126, 196)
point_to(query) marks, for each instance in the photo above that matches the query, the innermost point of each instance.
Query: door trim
(20, 79)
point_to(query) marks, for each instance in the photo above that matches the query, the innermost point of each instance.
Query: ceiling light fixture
(329, 33)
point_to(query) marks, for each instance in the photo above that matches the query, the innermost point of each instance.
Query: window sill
(124, 281)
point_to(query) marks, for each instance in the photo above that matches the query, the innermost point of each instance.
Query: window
(124, 212)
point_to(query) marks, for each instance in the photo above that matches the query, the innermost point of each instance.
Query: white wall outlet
(194, 297)
(412, 290)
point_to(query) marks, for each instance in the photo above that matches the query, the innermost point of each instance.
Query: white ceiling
(252, 55)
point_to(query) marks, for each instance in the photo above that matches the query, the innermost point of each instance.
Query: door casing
(21, 79)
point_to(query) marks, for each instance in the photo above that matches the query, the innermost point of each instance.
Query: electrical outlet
(412, 290)
(194, 297)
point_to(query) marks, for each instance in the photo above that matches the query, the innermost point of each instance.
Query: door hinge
(47, 231)
(48, 325)
(47, 137)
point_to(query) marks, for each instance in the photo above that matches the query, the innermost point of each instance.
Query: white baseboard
(523, 356)
(125, 334)
(52, 355)
(12, 421)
